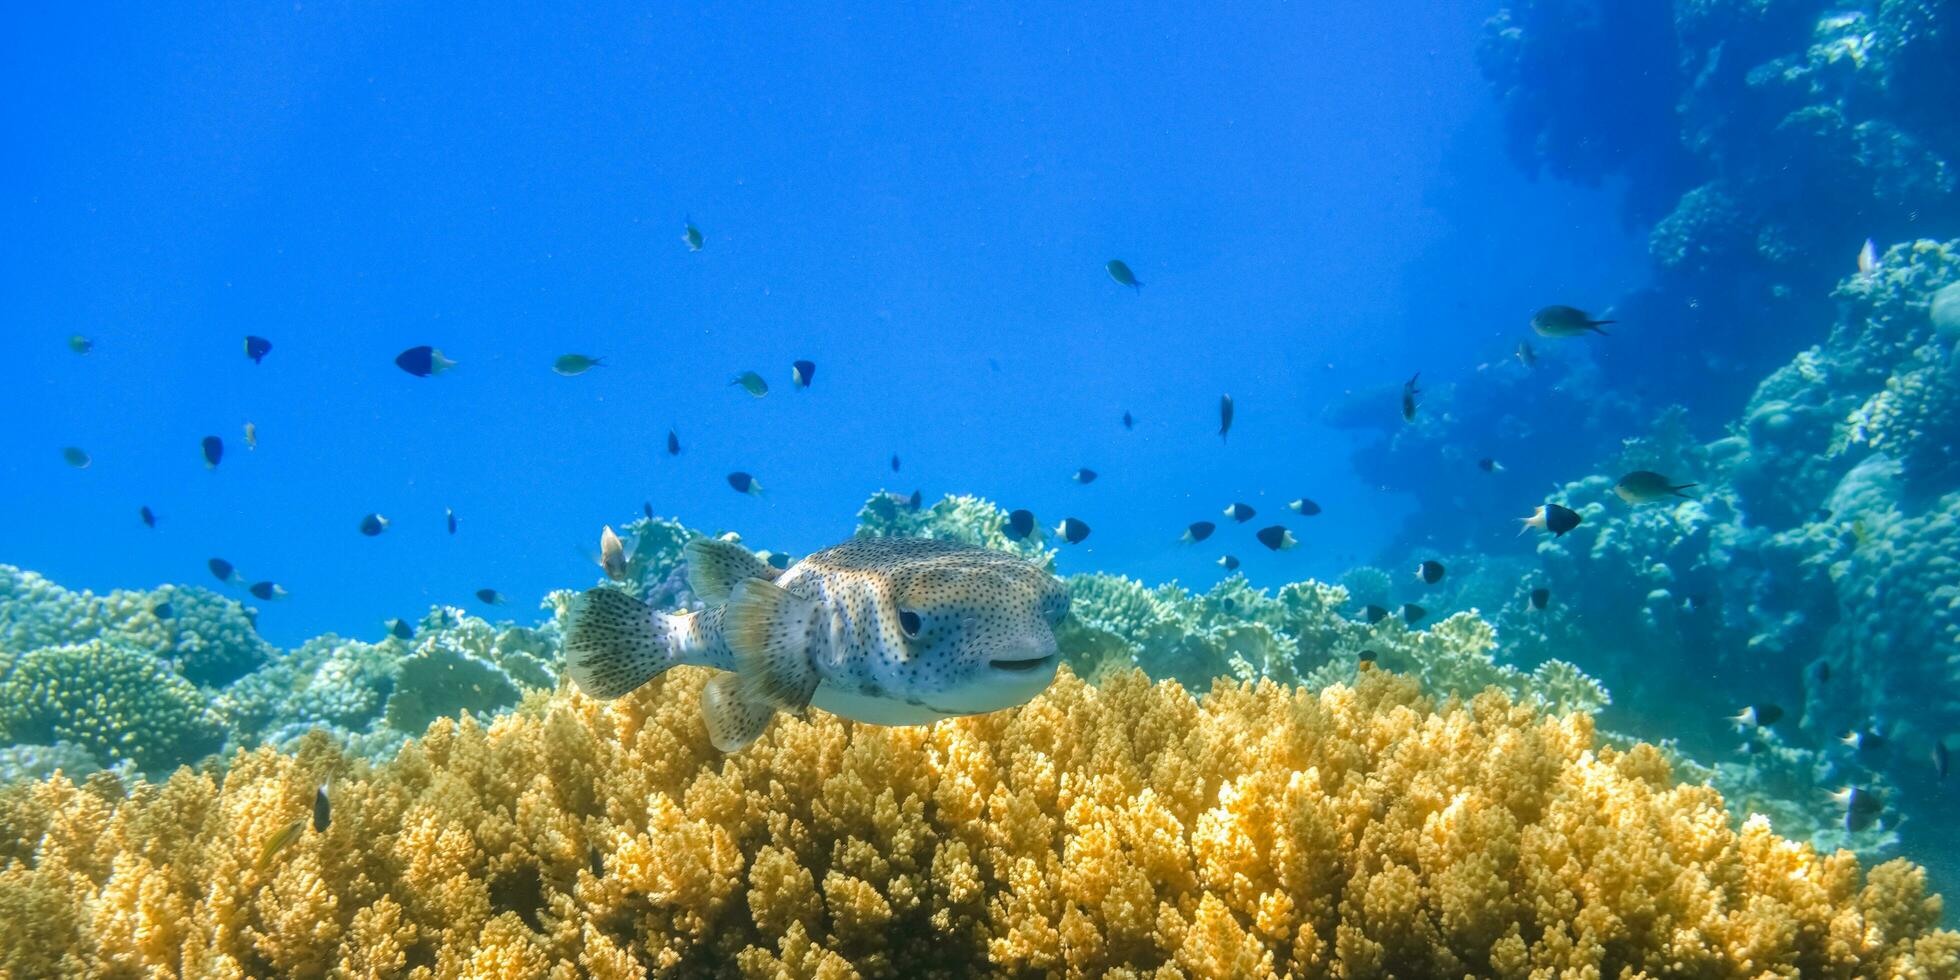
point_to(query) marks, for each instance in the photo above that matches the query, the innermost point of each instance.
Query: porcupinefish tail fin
(772, 631)
(615, 643)
(715, 566)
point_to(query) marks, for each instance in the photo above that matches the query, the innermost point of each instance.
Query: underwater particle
(1120, 271)
(267, 591)
(1430, 572)
(1198, 531)
(257, 348)
(1240, 512)
(80, 344)
(744, 483)
(894, 462)
(400, 629)
(1224, 416)
(449, 518)
(1409, 393)
(1940, 759)
(322, 810)
(573, 365)
(1551, 517)
(1490, 465)
(1540, 598)
(490, 597)
(163, 610)
(222, 570)
(1868, 259)
(423, 361)
(752, 383)
(673, 443)
(1413, 614)
(1128, 422)
(1229, 563)
(373, 524)
(1276, 538)
(612, 554)
(214, 451)
(1305, 507)
(1071, 530)
(692, 236)
(1644, 486)
(148, 516)
(75, 457)
(251, 436)
(1945, 312)
(1525, 355)
(1020, 524)
(800, 373)
(1756, 716)
(1084, 476)
(1565, 321)
(278, 841)
(1372, 614)
(1861, 807)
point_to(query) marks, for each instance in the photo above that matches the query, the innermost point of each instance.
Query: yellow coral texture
(1126, 829)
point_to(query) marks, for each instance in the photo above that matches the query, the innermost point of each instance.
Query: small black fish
(1228, 605)
(1870, 740)
(400, 629)
(1861, 807)
(1553, 518)
(894, 462)
(1413, 614)
(449, 518)
(1198, 531)
(373, 524)
(1020, 524)
(778, 560)
(1304, 507)
(163, 610)
(223, 570)
(1240, 512)
(1276, 538)
(149, 516)
(1409, 393)
(915, 500)
(744, 483)
(266, 591)
(1823, 672)
(1372, 614)
(490, 597)
(1756, 716)
(1085, 476)
(1224, 416)
(1128, 422)
(1229, 563)
(1072, 530)
(423, 361)
(1490, 465)
(214, 450)
(322, 810)
(1367, 659)
(1940, 759)
(257, 348)
(673, 443)
(1540, 598)
(646, 508)
(1120, 271)
(594, 861)
(1431, 571)
(800, 373)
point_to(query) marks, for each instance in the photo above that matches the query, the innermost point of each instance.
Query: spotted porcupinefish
(890, 631)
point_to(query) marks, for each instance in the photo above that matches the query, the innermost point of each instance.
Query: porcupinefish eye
(908, 621)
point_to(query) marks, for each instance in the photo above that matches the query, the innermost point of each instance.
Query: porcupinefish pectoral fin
(771, 632)
(615, 643)
(714, 567)
(733, 721)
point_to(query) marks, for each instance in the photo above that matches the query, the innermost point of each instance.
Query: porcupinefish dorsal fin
(733, 721)
(771, 632)
(615, 643)
(714, 567)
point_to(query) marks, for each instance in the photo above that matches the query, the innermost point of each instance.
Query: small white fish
(251, 436)
(1868, 259)
(612, 555)
(888, 631)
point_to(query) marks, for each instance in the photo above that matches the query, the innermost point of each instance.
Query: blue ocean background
(1317, 199)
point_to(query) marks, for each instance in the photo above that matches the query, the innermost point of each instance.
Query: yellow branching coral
(1126, 829)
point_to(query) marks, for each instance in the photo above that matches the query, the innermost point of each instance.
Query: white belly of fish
(875, 711)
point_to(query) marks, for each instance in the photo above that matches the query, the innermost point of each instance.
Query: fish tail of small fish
(1594, 326)
(615, 643)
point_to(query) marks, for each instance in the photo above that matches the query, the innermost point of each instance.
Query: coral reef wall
(1359, 831)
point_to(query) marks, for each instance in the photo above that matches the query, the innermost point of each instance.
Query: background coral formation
(1356, 831)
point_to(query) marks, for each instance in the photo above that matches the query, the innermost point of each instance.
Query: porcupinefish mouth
(1022, 665)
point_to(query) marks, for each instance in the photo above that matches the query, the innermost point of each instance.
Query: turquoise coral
(111, 700)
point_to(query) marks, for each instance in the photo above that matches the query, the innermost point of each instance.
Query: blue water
(1316, 198)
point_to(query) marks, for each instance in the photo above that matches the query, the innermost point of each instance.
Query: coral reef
(1099, 831)
(966, 519)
